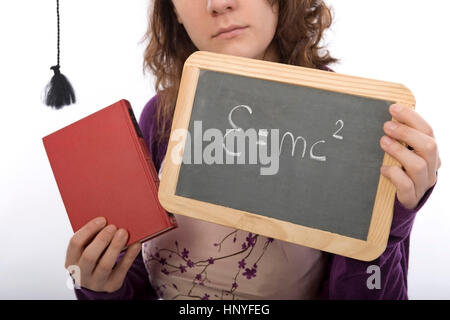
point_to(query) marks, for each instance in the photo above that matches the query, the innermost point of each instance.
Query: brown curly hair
(301, 24)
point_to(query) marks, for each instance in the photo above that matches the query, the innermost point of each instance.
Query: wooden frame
(322, 240)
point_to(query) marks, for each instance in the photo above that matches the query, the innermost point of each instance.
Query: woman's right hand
(95, 248)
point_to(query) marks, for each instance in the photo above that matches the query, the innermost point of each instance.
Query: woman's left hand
(420, 165)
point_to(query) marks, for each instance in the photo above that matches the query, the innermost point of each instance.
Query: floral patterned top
(203, 260)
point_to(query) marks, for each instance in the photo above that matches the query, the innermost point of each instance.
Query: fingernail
(386, 141)
(111, 228)
(121, 233)
(100, 221)
(391, 126)
(396, 108)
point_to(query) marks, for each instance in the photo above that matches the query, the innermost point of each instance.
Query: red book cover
(102, 167)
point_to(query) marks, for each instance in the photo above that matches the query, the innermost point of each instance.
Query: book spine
(149, 160)
(151, 166)
(171, 216)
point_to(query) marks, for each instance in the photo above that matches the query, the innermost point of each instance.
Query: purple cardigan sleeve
(136, 284)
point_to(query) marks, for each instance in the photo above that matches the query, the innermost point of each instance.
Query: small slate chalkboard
(287, 152)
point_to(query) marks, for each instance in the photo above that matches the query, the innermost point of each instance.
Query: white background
(401, 41)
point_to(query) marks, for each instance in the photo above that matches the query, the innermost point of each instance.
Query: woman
(200, 260)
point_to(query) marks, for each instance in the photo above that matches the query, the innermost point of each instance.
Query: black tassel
(59, 91)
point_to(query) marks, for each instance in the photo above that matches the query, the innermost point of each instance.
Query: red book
(102, 167)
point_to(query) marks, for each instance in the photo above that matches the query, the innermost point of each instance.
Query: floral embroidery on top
(178, 260)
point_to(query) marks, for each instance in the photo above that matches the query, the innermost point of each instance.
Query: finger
(91, 255)
(120, 271)
(405, 186)
(408, 116)
(415, 166)
(81, 238)
(107, 261)
(423, 145)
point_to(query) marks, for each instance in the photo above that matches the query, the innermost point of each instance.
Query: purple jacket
(346, 278)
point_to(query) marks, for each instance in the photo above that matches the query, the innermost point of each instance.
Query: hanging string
(59, 91)
(57, 25)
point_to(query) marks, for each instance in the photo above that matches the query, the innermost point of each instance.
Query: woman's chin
(239, 52)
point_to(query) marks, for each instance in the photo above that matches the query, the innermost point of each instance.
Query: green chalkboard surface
(331, 187)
